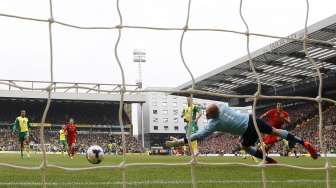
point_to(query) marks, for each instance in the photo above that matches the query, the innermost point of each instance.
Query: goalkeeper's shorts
(250, 137)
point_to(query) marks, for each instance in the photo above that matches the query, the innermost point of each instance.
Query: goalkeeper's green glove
(174, 142)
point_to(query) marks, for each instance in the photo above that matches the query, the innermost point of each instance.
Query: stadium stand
(94, 119)
(98, 113)
(97, 124)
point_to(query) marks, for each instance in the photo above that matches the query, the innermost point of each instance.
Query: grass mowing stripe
(214, 176)
(166, 182)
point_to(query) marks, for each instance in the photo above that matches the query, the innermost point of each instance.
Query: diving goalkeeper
(224, 119)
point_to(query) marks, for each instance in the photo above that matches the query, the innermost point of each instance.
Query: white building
(162, 117)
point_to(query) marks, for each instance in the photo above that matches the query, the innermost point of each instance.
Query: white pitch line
(163, 182)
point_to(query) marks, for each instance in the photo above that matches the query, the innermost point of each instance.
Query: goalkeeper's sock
(258, 153)
(293, 138)
(289, 136)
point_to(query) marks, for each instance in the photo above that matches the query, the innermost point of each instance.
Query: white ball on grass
(95, 154)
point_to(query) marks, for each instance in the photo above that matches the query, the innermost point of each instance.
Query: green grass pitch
(167, 177)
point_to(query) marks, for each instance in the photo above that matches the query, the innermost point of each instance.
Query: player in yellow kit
(191, 115)
(22, 125)
(62, 140)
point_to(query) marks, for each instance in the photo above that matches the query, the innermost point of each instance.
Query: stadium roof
(24, 89)
(280, 65)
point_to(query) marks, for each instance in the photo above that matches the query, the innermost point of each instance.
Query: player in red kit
(70, 131)
(275, 117)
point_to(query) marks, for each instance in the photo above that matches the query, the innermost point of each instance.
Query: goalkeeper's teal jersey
(229, 121)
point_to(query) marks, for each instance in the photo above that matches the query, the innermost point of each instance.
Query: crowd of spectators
(89, 114)
(9, 141)
(213, 144)
(104, 139)
(309, 129)
(304, 117)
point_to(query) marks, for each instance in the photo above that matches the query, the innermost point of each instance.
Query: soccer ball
(95, 154)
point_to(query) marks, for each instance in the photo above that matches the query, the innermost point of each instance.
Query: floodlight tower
(139, 56)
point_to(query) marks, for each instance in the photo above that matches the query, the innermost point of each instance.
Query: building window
(155, 111)
(165, 128)
(175, 119)
(165, 112)
(175, 112)
(155, 119)
(164, 103)
(176, 128)
(164, 97)
(174, 104)
(156, 127)
(165, 120)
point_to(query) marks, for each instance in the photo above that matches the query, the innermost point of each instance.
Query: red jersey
(71, 131)
(276, 118)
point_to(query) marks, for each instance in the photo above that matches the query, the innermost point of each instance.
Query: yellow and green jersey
(190, 112)
(22, 124)
(189, 116)
(61, 135)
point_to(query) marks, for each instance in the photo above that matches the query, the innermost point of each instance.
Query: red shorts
(270, 139)
(71, 141)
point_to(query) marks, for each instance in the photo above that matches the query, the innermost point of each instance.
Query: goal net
(258, 95)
